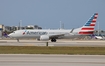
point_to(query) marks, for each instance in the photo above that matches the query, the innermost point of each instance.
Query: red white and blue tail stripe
(89, 26)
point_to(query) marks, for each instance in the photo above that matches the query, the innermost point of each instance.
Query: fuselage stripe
(85, 32)
(87, 29)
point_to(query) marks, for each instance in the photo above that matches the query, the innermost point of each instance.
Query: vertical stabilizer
(88, 27)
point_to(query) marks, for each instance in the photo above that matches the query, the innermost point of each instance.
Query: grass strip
(52, 50)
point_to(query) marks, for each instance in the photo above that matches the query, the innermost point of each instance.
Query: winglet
(72, 30)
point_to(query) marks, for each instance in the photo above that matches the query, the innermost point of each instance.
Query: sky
(50, 13)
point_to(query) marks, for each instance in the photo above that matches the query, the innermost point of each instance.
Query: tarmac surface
(51, 60)
(72, 43)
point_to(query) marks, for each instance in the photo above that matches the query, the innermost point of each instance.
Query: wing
(56, 36)
(61, 35)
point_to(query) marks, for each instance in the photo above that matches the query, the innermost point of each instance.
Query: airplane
(4, 34)
(53, 35)
(98, 37)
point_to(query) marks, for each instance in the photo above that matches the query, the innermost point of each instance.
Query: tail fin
(89, 26)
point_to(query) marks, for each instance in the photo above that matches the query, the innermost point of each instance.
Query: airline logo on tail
(88, 28)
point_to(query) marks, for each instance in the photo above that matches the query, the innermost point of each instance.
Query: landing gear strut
(17, 40)
(53, 40)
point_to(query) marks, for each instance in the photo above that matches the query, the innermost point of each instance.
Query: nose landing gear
(17, 40)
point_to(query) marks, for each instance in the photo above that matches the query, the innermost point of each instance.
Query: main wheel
(53, 40)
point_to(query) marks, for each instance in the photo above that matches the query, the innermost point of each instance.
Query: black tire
(53, 40)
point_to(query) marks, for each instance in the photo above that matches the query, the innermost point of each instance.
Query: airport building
(99, 32)
(13, 28)
(2, 28)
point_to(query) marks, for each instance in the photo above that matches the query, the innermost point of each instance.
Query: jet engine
(44, 37)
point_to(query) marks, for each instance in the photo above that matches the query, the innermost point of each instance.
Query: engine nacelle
(44, 37)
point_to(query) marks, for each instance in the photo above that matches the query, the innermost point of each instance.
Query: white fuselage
(37, 33)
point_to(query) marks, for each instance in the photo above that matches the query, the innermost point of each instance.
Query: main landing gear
(53, 40)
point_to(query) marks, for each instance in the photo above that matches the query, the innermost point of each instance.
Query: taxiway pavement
(72, 43)
(51, 60)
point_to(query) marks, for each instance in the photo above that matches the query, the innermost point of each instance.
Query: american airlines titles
(36, 33)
